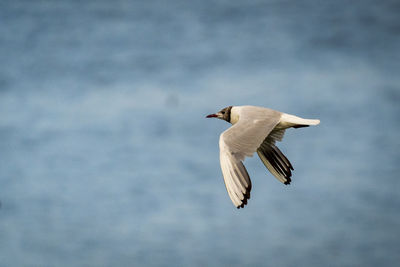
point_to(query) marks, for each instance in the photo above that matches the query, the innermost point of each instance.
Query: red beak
(212, 116)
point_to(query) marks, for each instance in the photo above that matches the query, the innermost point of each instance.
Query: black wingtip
(243, 204)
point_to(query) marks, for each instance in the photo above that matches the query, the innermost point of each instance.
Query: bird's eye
(223, 112)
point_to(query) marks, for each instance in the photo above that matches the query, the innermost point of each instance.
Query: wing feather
(275, 161)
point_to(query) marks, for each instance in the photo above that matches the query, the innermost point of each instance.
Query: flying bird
(255, 129)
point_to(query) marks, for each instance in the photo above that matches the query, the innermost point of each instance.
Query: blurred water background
(106, 158)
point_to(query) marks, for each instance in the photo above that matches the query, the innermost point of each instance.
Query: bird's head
(223, 114)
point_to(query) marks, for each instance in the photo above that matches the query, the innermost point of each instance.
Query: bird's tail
(288, 120)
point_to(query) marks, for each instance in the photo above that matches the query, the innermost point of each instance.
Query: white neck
(234, 115)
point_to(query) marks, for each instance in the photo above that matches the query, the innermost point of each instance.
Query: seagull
(254, 129)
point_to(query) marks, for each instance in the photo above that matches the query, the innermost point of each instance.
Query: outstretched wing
(239, 141)
(274, 159)
(236, 178)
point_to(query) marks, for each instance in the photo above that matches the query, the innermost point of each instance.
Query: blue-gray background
(106, 158)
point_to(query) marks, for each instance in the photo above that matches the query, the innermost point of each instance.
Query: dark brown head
(223, 114)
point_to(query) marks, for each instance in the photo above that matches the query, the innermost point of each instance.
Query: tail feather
(288, 120)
